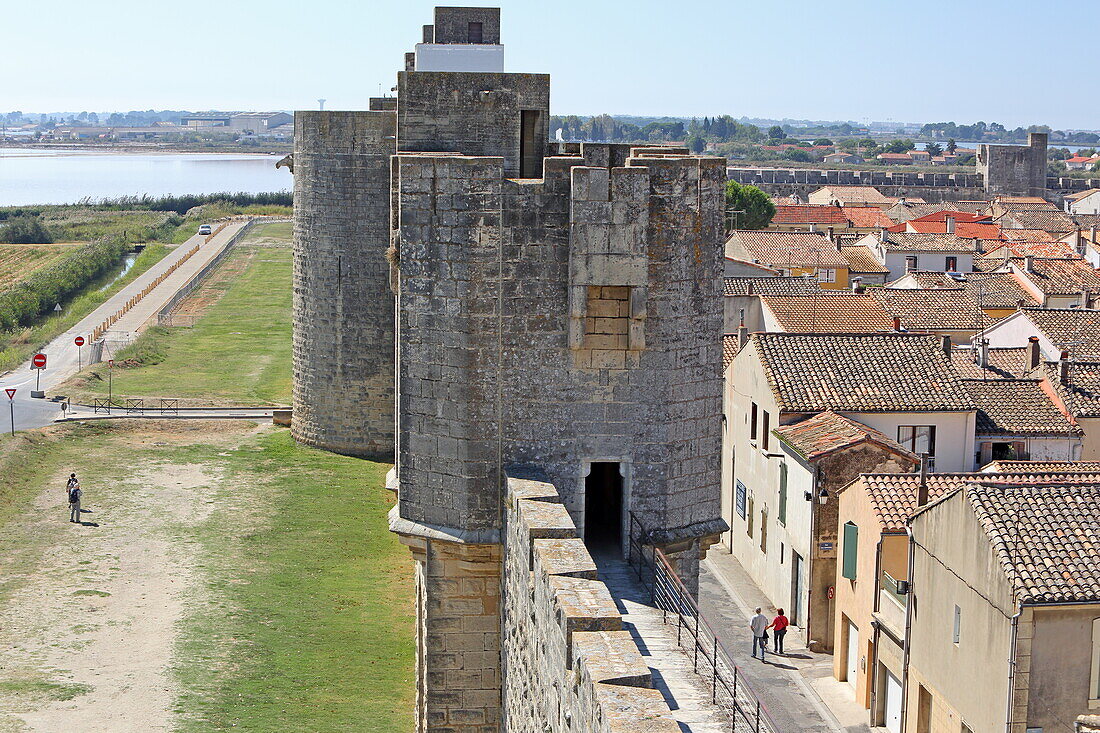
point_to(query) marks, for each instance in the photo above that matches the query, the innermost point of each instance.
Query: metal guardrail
(730, 690)
(165, 317)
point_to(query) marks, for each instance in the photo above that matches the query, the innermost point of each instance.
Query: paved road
(62, 355)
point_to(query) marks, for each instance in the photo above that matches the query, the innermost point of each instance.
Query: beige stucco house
(1004, 606)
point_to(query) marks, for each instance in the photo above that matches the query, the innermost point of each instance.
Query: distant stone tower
(1015, 170)
(558, 316)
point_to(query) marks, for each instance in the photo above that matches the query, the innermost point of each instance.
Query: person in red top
(780, 624)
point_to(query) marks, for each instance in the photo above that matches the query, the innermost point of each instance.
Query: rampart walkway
(686, 693)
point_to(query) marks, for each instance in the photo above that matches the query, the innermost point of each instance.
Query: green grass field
(238, 352)
(301, 615)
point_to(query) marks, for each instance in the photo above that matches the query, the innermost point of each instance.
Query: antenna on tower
(321, 103)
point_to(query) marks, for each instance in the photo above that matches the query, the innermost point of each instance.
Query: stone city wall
(568, 664)
(933, 187)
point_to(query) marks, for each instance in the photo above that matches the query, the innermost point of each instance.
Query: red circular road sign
(79, 341)
(39, 361)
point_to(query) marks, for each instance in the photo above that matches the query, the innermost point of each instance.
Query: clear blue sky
(1009, 61)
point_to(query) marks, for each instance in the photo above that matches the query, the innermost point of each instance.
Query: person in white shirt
(759, 626)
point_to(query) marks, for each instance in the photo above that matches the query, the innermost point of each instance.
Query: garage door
(892, 719)
(853, 653)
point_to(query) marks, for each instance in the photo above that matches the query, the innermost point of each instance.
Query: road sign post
(11, 407)
(39, 363)
(79, 341)
(110, 381)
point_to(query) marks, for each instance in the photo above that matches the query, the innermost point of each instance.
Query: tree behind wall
(747, 207)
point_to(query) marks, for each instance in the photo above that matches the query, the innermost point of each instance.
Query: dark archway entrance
(603, 506)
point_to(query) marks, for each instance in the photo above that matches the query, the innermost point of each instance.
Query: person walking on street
(759, 626)
(73, 481)
(779, 624)
(74, 500)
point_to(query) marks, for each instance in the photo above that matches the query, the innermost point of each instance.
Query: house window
(957, 627)
(951, 264)
(766, 431)
(919, 439)
(850, 544)
(474, 32)
(752, 422)
(1094, 679)
(764, 530)
(742, 497)
(749, 512)
(910, 263)
(783, 493)
(826, 275)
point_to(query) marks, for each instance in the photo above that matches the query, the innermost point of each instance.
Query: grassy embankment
(239, 352)
(301, 618)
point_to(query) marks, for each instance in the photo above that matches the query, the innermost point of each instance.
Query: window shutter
(851, 542)
(987, 453)
(767, 430)
(1019, 447)
(783, 494)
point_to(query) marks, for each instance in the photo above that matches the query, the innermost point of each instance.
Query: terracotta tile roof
(786, 249)
(1081, 392)
(959, 216)
(866, 216)
(1086, 221)
(827, 432)
(1042, 467)
(894, 495)
(841, 312)
(1059, 275)
(890, 372)
(861, 260)
(985, 289)
(1028, 235)
(856, 194)
(809, 214)
(1016, 407)
(770, 286)
(911, 210)
(964, 229)
(1076, 330)
(1051, 221)
(1023, 201)
(906, 242)
(1010, 363)
(731, 345)
(1081, 194)
(762, 270)
(1044, 535)
(933, 310)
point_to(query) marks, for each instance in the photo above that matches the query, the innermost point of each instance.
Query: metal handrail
(730, 689)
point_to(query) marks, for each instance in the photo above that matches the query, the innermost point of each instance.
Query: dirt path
(87, 638)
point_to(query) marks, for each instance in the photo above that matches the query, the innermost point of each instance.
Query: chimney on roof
(1079, 242)
(857, 284)
(1033, 351)
(748, 290)
(922, 485)
(950, 221)
(902, 201)
(1029, 263)
(945, 342)
(1092, 234)
(983, 359)
(742, 336)
(813, 227)
(882, 235)
(897, 323)
(1063, 367)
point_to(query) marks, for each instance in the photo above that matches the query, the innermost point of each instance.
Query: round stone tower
(343, 306)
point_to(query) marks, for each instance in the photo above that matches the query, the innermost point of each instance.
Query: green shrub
(25, 229)
(36, 294)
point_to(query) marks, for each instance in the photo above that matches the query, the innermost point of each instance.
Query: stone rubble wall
(568, 665)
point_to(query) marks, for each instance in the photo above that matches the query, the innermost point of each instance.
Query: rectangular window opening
(530, 152)
(850, 545)
(766, 431)
(474, 32)
(956, 631)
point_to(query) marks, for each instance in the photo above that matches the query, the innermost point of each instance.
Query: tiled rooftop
(1051, 221)
(1059, 275)
(928, 243)
(856, 194)
(988, 290)
(1010, 363)
(1067, 328)
(933, 310)
(786, 249)
(1042, 467)
(887, 372)
(1044, 535)
(1081, 392)
(827, 431)
(861, 260)
(731, 345)
(1016, 407)
(809, 214)
(838, 312)
(866, 216)
(770, 286)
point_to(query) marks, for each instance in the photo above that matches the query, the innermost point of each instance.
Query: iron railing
(730, 689)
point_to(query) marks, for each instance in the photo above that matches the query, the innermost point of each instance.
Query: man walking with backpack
(74, 493)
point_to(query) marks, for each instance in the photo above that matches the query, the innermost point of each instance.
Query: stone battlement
(568, 663)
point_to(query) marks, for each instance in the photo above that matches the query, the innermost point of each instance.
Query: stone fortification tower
(1015, 169)
(558, 315)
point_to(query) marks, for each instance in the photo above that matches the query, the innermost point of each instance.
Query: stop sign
(79, 340)
(39, 361)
